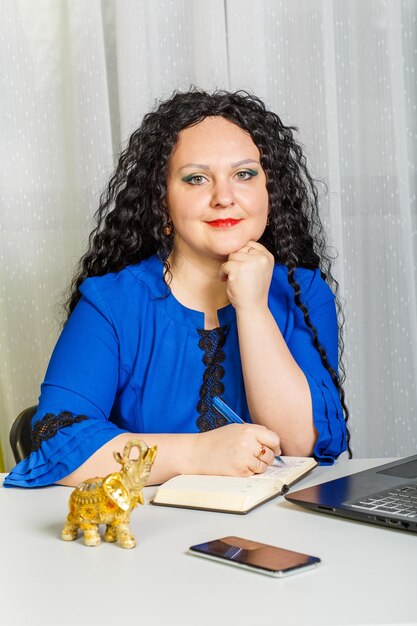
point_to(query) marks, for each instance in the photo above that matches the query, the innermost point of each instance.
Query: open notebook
(229, 494)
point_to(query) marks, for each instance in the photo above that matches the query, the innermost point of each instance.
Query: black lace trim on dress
(50, 424)
(212, 342)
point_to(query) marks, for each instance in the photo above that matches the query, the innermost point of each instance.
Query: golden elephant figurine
(110, 500)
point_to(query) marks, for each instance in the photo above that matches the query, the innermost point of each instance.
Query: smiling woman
(215, 208)
(206, 276)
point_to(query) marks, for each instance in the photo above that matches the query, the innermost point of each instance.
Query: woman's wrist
(255, 314)
(192, 454)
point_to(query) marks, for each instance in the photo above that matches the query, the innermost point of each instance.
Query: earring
(267, 220)
(167, 229)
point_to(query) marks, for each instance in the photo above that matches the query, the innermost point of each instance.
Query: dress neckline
(152, 273)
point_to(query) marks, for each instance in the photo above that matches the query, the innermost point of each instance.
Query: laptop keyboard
(400, 501)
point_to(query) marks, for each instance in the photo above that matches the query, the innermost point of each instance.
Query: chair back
(21, 434)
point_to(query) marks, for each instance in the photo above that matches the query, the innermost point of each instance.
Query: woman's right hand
(236, 450)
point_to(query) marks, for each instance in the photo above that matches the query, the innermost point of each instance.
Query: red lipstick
(223, 223)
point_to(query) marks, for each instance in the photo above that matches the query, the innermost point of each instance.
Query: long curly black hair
(132, 213)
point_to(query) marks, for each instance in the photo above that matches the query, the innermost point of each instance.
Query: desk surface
(367, 575)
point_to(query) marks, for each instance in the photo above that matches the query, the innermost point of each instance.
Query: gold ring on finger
(261, 452)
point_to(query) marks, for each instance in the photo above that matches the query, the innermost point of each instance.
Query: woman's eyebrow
(201, 166)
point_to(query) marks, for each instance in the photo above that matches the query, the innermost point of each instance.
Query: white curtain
(76, 78)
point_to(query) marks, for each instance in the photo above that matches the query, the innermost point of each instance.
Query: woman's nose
(223, 195)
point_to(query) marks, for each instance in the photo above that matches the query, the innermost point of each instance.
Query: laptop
(385, 495)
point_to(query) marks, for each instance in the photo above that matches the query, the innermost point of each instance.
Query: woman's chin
(223, 250)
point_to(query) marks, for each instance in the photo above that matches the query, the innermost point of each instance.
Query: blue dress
(131, 358)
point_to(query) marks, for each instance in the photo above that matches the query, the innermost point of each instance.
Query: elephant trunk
(135, 469)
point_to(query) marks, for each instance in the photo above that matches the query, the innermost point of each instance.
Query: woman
(205, 276)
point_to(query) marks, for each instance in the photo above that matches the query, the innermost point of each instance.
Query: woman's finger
(268, 457)
(266, 437)
(264, 458)
(259, 466)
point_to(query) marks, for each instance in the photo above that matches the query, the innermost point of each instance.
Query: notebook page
(295, 466)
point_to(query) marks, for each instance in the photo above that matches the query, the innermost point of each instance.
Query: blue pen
(226, 411)
(231, 416)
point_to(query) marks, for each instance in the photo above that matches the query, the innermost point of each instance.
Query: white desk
(368, 575)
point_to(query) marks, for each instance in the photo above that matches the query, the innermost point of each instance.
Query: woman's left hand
(248, 273)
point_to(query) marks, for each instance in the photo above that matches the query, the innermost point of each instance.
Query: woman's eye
(198, 179)
(246, 174)
(194, 179)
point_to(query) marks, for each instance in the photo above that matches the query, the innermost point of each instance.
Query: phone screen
(253, 555)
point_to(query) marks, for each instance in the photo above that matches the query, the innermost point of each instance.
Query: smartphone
(254, 556)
